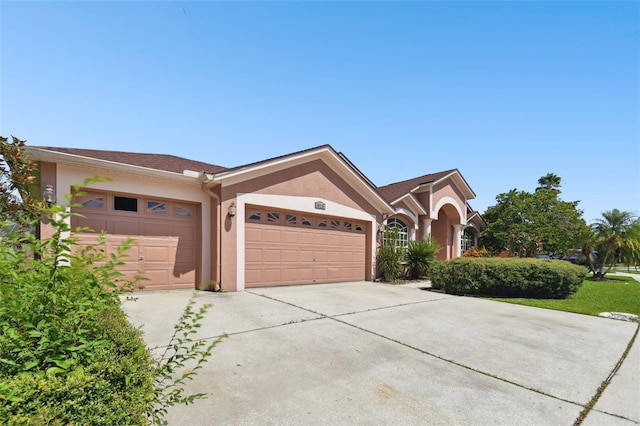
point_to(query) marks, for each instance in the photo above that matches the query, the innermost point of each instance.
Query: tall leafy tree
(616, 237)
(549, 181)
(525, 224)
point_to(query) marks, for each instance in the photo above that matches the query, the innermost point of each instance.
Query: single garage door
(165, 250)
(284, 248)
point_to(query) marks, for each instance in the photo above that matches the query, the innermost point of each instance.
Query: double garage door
(165, 234)
(285, 248)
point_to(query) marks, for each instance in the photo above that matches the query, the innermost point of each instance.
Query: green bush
(511, 277)
(390, 256)
(421, 255)
(389, 262)
(67, 353)
(114, 389)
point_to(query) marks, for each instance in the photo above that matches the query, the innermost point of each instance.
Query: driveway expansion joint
(589, 406)
(422, 351)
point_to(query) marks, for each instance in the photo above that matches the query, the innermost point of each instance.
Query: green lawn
(621, 295)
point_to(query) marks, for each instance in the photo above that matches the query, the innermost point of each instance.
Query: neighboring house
(306, 217)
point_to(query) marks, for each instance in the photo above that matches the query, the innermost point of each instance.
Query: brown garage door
(166, 235)
(284, 248)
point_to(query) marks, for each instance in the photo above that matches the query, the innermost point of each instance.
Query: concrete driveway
(367, 353)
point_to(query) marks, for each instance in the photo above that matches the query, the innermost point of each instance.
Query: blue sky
(504, 91)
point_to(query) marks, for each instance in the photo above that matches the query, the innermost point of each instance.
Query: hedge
(510, 277)
(115, 389)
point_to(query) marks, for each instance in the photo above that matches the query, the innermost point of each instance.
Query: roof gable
(394, 191)
(336, 161)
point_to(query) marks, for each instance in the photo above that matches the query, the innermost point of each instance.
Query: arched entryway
(446, 230)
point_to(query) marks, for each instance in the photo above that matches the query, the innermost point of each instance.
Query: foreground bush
(512, 277)
(115, 388)
(67, 353)
(68, 356)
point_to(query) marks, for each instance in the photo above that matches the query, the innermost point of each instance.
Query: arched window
(467, 240)
(396, 233)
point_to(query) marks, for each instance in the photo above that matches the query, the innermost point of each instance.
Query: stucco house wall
(295, 190)
(434, 204)
(66, 176)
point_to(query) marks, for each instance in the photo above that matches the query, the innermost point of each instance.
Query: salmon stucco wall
(447, 193)
(441, 232)
(144, 185)
(296, 188)
(424, 199)
(313, 179)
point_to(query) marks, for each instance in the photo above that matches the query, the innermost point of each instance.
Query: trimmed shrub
(513, 277)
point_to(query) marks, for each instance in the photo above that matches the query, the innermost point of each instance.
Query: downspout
(207, 185)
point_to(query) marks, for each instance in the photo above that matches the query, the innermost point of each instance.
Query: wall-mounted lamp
(49, 195)
(232, 210)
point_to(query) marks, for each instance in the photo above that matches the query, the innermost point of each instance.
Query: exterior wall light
(232, 210)
(49, 195)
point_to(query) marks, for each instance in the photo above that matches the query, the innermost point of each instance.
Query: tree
(616, 238)
(18, 183)
(549, 181)
(525, 224)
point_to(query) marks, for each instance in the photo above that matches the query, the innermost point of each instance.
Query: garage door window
(182, 212)
(298, 220)
(156, 207)
(93, 201)
(125, 204)
(273, 217)
(291, 219)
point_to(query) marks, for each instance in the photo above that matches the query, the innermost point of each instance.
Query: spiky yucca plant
(420, 255)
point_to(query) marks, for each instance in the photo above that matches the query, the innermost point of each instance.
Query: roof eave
(57, 157)
(413, 201)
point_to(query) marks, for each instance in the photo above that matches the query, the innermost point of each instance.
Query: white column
(412, 234)
(426, 227)
(457, 239)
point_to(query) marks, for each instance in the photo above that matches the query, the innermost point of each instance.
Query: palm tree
(616, 238)
(550, 181)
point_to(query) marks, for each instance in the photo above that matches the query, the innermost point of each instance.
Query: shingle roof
(168, 163)
(394, 191)
(268, 160)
